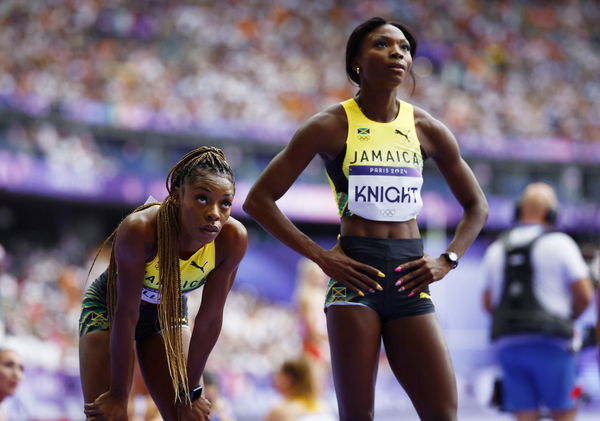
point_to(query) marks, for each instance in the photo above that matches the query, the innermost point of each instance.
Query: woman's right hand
(106, 407)
(349, 272)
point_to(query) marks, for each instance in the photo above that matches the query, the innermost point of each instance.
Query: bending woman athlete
(374, 146)
(161, 251)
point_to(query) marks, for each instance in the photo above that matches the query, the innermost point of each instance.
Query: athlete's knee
(356, 406)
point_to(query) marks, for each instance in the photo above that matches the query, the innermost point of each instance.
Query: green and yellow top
(194, 272)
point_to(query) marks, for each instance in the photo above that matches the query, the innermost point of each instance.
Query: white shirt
(557, 264)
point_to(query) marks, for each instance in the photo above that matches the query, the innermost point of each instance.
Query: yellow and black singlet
(378, 175)
(194, 272)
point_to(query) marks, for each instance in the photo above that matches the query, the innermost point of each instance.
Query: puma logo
(403, 134)
(199, 267)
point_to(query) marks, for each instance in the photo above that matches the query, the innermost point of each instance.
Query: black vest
(519, 311)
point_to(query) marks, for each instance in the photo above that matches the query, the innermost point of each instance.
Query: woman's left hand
(199, 411)
(420, 273)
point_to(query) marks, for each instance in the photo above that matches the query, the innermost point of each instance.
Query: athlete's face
(204, 206)
(384, 56)
(11, 372)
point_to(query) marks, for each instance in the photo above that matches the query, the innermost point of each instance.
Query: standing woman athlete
(161, 251)
(374, 146)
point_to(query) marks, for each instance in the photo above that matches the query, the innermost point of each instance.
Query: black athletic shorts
(385, 255)
(94, 312)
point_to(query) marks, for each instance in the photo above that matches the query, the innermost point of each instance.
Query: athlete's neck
(187, 247)
(381, 107)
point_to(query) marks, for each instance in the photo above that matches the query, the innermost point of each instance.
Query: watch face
(451, 257)
(196, 393)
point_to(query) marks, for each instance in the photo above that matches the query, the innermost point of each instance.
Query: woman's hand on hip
(420, 273)
(349, 272)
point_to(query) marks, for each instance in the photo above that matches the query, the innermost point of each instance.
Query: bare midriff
(356, 226)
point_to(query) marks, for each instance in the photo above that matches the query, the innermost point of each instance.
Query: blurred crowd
(88, 157)
(491, 70)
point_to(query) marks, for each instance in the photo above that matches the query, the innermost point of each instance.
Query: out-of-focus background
(99, 98)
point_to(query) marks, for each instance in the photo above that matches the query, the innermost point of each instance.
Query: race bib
(381, 193)
(150, 295)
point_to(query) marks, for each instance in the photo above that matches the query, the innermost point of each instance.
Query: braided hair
(194, 163)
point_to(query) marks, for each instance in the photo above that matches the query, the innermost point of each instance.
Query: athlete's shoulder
(137, 234)
(232, 241)
(234, 228)
(324, 132)
(141, 223)
(435, 137)
(425, 121)
(331, 119)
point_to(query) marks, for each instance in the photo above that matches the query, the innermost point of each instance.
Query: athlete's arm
(314, 137)
(133, 240)
(441, 145)
(231, 245)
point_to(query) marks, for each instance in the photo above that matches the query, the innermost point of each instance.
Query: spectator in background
(537, 285)
(308, 297)
(296, 383)
(11, 373)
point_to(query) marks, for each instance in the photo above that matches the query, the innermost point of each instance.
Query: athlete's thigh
(153, 365)
(419, 358)
(94, 364)
(355, 340)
